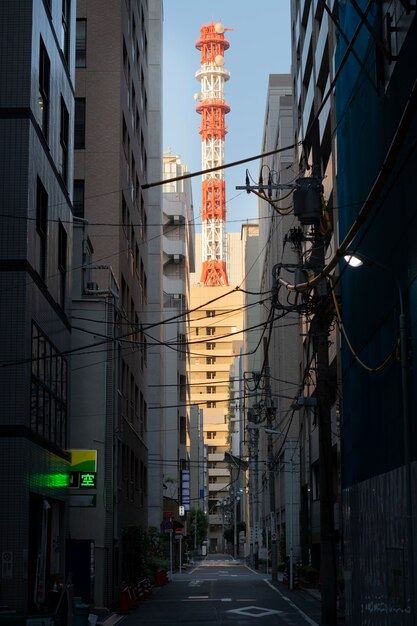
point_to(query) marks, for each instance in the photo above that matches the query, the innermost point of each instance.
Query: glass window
(79, 198)
(44, 87)
(63, 142)
(42, 226)
(79, 124)
(62, 262)
(81, 44)
(65, 28)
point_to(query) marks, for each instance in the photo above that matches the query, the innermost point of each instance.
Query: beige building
(214, 340)
(117, 150)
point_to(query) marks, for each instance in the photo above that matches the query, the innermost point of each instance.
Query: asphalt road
(219, 591)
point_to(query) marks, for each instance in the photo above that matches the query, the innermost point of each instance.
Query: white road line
(251, 570)
(294, 606)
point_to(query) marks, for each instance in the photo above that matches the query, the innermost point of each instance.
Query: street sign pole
(170, 550)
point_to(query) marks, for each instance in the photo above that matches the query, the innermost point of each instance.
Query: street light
(272, 431)
(355, 259)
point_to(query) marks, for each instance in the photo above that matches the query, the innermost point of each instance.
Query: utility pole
(308, 208)
(271, 471)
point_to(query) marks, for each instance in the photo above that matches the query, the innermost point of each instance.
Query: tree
(198, 526)
(229, 533)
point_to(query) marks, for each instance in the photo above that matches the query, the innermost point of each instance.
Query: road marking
(205, 599)
(255, 611)
(294, 606)
(251, 570)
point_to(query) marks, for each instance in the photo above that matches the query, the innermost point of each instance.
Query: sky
(260, 44)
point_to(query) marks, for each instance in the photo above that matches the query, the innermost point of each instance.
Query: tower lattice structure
(212, 108)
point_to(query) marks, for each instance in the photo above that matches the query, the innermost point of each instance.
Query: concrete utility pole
(319, 330)
(308, 208)
(270, 413)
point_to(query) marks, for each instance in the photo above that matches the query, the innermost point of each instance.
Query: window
(62, 262)
(42, 226)
(210, 360)
(211, 390)
(44, 86)
(63, 142)
(210, 346)
(211, 375)
(48, 414)
(211, 434)
(210, 330)
(211, 404)
(197, 331)
(210, 313)
(78, 198)
(81, 44)
(79, 124)
(65, 34)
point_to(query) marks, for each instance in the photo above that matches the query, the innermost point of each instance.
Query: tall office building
(169, 435)
(313, 53)
(118, 149)
(279, 513)
(214, 339)
(37, 42)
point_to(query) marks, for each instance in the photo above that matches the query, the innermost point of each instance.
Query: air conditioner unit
(40, 621)
(92, 286)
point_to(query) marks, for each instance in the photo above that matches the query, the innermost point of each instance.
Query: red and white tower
(212, 108)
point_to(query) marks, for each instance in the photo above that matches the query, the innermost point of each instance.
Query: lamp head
(353, 260)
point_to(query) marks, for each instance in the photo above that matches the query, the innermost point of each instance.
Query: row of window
(134, 475)
(131, 170)
(43, 112)
(48, 412)
(128, 304)
(134, 406)
(64, 34)
(210, 330)
(42, 231)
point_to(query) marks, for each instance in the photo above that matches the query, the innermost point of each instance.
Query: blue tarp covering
(367, 120)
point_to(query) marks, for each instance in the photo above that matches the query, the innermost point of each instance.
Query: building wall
(313, 53)
(169, 439)
(35, 305)
(379, 452)
(283, 357)
(214, 339)
(120, 82)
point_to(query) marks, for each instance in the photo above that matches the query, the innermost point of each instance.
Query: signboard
(83, 460)
(88, 479)
(83, 471)
(185, 490)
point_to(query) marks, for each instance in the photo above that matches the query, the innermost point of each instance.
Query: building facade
(117, 143)
(170, 438)
(37, 45)
(280, 366)
(376, 116)
(215, 338)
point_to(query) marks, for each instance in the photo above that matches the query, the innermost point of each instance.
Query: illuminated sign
(88, 479)
(83, 474)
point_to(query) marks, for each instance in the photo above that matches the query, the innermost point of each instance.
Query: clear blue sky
(260, 44)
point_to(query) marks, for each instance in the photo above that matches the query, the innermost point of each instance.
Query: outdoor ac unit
(40, 621)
